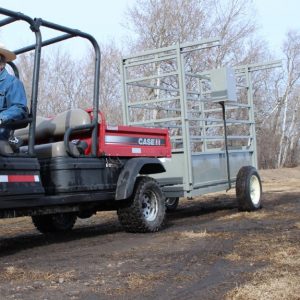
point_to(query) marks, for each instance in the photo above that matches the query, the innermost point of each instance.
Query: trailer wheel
(171, 204)
(248, 189)
(54, 223)
(145, 211)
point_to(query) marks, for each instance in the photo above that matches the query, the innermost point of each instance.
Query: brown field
(208, 250)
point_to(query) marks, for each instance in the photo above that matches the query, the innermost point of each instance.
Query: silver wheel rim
(254, 189)
(149, 206)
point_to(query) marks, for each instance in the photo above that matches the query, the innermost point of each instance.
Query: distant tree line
(67, 82)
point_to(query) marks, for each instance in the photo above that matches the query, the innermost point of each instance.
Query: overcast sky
(103, 19)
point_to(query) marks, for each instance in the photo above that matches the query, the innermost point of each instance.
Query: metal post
(35, 85)
(226, 145)
(124, 93)
(184, 121)
(251, 115)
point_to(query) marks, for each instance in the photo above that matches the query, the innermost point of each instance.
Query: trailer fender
(131, 170)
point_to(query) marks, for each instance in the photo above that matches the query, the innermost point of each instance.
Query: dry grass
(233, 257)
(280, 280)
(269, 284)
(145, 281)
(12, 273)
(195, 235)
(133, 282)
(243, 215)
(288, 256)
(192, 234)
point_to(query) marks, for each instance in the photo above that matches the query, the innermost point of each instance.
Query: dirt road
(208, 250)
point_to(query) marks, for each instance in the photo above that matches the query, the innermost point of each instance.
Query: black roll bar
(35, 25)
(17, 16)
(15, 69)
(45, 43)
(76, 32)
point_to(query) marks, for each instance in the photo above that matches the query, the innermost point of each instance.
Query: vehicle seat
(48, 131)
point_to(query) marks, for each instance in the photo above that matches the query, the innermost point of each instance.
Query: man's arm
(16, 102)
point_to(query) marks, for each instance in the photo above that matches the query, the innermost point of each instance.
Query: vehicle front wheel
(248, 189)
(54, 223)
(145, 210)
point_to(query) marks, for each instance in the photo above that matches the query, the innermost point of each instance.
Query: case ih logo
(149, 142)
(112, 139)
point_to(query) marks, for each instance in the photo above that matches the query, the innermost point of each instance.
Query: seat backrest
(47, 128)
(5, 148)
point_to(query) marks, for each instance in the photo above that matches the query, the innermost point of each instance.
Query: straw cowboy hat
(9, 55)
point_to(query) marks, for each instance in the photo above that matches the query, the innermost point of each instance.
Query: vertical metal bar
(188, 182)
(35, 86)
(202, 108)
(251, 115)
(124, 93)
(226, 145)
(96, 96)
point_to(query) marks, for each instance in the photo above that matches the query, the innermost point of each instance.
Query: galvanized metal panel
(210, 169)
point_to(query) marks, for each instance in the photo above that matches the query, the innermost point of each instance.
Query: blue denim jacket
(12, 101)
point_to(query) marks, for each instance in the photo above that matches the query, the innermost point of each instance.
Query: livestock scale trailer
(209, 114)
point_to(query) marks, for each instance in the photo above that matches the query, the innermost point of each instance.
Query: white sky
(103, 18)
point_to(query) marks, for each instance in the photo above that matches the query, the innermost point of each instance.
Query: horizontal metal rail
(178, 137)
(141, 62)
(258, 66)
(152, 101)
(213, 151)
(156, 121)
(45, 43)
(245, 106)
(154, 87)
(156, 107)
(7, 21)
(151, 77)
(174, 48)
(220, 137)
(228, 121)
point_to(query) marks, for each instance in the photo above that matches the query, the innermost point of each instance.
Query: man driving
(12, 95)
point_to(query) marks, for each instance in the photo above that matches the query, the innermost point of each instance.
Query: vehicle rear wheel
(54, 223)
(145, 211)
(172, 203)
(248, 189)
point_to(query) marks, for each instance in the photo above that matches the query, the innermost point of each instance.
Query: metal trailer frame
(206, 152)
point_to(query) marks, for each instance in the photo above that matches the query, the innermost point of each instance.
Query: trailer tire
(172, 203)
(54, 223)
(248, 189)
(145, 210)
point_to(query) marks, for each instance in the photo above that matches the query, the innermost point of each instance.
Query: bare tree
(164, 22)
(288, 106)
(159, 23)
(110, 81)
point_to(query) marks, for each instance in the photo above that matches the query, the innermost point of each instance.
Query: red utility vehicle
(74, 164)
